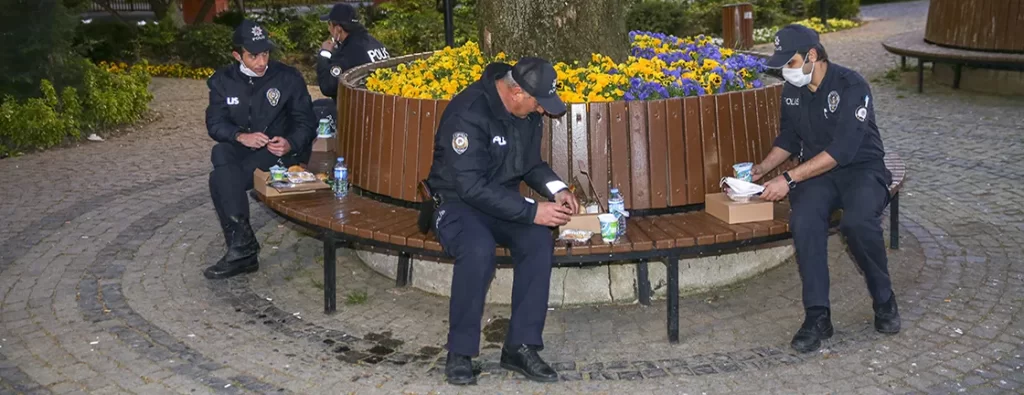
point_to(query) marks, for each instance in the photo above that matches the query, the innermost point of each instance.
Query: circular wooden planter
(982, 25)
(661, 154)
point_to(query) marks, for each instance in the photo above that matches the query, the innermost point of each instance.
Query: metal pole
(824, 13)
(449, 24)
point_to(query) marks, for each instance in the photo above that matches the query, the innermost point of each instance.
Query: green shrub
(104, 100)
(37, 122)
(37, 37)
(206, 45)
(229, 18)
(845, 9)
(660, 16)
(412, 26)
(108, 41)
(112, 99)
(157, 40)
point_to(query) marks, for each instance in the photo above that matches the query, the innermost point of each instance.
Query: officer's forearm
(775, 158)
(818, 165)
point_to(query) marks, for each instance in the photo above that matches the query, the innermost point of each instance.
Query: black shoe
(524, 359)
(459, 369)
(242, 241)
(224, 269)
(817, 327)
(887, 316)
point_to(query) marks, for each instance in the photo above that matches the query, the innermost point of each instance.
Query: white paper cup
(609, 227)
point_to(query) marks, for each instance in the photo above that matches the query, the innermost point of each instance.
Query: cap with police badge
(790, 40)
(342, 14)
(538, 78)
(253, 37)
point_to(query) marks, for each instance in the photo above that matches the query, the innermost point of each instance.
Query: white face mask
(796, 76)
(247, 71)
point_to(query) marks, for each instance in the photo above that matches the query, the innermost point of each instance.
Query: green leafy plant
(412, 26)
(660, 16)
(843, 9)
(356, 297)
(206, 45)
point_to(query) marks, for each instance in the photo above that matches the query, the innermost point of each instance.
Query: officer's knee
(853, 226)
(539, 238)
(222, 154)
(801, 223)
(477, 253)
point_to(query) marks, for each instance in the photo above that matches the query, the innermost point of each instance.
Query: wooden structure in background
(738, 26)
(980, 25)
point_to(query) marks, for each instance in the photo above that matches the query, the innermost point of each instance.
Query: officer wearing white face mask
(828, 121)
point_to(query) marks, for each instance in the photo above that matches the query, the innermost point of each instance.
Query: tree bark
(557, 30)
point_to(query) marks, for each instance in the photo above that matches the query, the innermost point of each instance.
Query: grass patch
(356, 297)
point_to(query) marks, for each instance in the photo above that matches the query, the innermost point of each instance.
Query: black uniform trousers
(233, 165)
(470, 236)
(862, 194)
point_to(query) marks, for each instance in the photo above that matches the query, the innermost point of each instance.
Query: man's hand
(253, 140)
(566, 199)
(551, 214)
(757, 172)
(327, 45)
(279, 146)
(776, 189)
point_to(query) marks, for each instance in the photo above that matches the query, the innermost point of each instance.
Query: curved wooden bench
(361, 221)
(913, 45)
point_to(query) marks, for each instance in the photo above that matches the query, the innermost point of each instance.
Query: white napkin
(738, 187)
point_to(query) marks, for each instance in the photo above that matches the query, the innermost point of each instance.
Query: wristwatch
(789, 180)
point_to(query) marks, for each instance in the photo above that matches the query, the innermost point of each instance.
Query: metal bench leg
(894, 222)
(956, 76)
(643, 283)
(672, 272)
(920, 76)
(330, 270)
(404, 276)
(903, 62)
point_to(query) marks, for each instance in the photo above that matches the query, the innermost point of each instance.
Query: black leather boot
(887, 316)
(817, 327)
(524, 359)
(458, 369)
(242, 254)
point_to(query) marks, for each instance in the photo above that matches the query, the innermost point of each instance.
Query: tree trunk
(557, 30)
(164, 7)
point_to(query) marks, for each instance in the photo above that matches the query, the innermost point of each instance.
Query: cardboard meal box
(261, 178)
(720, 206)
(324, 144)
(583, 220)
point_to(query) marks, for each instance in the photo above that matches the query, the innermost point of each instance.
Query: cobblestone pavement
(101, 291)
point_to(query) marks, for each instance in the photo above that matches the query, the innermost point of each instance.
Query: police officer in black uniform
(350, 45)
(487, 143)
(828, 120)
(260, 114)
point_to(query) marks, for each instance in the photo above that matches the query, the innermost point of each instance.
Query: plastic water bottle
(340, 178)
(617, 206)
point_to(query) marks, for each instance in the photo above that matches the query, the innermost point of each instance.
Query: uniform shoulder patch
(336, 71)
(460, 142)
(862, 113)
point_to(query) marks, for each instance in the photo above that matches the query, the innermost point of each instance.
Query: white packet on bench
(740, 188)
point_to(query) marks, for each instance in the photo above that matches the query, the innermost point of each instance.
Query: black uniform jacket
(482, 153)
(839, 118)
(359, 48)
(277, 104)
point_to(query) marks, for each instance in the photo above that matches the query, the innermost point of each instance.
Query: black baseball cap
(342, 14)
(538, 78)
(790, 40)
(253, 37)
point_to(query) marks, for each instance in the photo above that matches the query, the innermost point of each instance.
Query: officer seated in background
(260, 113)
(488, 142)
(828, 118)
(350, 45)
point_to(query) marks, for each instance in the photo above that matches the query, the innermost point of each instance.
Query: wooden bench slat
(694, 151)
(638, 151)
(658, 151)
(676, 143)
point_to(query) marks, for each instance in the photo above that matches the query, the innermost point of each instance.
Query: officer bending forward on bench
(487, 143)
(260, 114)
(828, 118)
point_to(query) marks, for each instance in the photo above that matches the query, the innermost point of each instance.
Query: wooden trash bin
(738, 25)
